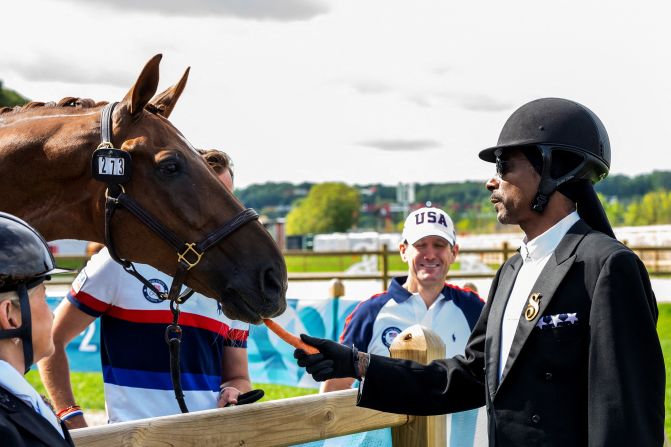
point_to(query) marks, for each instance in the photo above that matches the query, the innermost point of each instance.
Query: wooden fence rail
(286, 421)
(275, 423)
(656, 259)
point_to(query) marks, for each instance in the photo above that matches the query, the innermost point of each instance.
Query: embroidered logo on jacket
(150, 295)
(389, 334)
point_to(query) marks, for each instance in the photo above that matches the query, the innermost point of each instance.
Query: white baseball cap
(428, 222)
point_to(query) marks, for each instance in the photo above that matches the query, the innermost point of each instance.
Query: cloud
(284, 10)
(421, 100)
(441, 70)
(49, 68)
(401, 144)
(369, 87)
(468, 101)
(483, 103)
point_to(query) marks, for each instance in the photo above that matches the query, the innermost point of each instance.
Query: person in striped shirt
(134, 355)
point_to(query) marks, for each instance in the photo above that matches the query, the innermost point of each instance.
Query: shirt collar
(17, 384)
(14, 382)
(541, 246)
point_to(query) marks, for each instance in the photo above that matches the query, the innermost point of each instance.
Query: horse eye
(169, 168)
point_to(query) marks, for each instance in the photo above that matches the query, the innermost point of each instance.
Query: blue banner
(270, 359)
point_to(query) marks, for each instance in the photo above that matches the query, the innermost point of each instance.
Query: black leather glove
(333, 361)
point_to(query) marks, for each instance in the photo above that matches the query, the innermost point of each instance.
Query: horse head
(245, 271)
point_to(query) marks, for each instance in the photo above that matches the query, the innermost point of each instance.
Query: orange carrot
(289, 338)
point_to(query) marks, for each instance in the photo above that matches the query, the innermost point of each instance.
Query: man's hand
(231, 396)
(228, 396)
(333, 361)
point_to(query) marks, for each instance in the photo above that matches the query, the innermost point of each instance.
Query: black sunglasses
(503, 167)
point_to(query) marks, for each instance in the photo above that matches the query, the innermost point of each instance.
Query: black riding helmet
(572, 152)
(25, 262)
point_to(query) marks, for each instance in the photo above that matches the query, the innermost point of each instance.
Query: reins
(114, 167)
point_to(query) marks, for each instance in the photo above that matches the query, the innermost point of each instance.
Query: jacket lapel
(32, 422)
(494, 320)
(549, 279)
(66, 433)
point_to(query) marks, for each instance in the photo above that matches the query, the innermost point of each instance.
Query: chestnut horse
(46, 179)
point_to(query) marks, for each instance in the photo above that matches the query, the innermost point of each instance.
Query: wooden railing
(286, 421)
(656, 259)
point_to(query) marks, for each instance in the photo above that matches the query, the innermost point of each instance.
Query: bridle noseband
(114, 167)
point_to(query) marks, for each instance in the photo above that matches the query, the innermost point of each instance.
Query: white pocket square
(557, 320)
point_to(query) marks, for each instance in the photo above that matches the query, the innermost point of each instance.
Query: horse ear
(144, 88)
(165, 102)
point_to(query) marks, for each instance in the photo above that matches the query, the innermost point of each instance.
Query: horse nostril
(272, 286)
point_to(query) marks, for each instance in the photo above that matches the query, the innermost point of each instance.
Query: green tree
(328, 207)
(615, 209)
(653, 208)
(9, 98)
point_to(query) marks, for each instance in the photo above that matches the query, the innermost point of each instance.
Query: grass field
(300, 264)
(664, 331)
(295, 264)
(88, 387)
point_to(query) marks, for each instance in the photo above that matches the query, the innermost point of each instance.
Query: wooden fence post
(336, 290)
(421, 345)
(385, 267)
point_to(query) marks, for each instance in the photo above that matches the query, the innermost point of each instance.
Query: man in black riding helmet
(565, 351)
(25, 336)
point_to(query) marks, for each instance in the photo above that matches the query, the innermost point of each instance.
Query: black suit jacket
(22, 426)
(597, 382)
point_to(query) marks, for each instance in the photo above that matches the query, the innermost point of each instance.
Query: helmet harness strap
(24, 332)
(547, 184)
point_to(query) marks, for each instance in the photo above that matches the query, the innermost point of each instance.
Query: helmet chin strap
(547, 184)
(24, 332)
(26, 326)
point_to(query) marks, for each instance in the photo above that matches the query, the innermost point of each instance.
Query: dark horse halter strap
(188, 253)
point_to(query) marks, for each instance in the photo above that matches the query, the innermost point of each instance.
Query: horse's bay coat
(47, 180)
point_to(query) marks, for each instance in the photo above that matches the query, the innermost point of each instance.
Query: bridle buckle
(190, 248)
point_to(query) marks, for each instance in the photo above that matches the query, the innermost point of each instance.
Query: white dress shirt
(535, 254)
(16, 384)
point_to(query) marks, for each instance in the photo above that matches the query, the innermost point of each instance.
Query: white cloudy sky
(359, 91)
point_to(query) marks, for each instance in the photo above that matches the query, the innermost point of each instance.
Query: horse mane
(67, 102)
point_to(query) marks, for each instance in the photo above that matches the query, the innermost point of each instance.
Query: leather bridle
(189, 254)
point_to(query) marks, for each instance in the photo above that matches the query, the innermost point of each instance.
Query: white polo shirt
(374, 323)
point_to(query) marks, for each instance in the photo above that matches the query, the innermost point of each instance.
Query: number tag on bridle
(112, 166)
